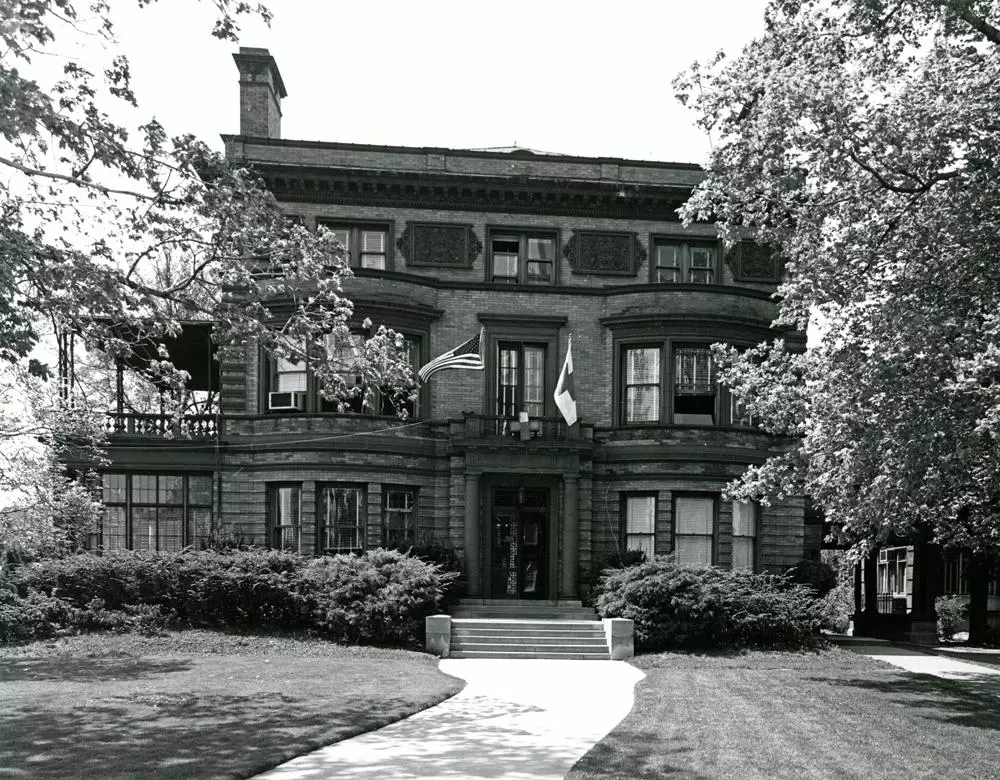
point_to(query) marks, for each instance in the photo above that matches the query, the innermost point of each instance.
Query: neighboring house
(533, 248)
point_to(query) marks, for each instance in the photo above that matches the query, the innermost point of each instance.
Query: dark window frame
(686, 247)
(355, 228)
(324, 490)
(272, 527)
(714, 497)
(188, 535)
(519, 402)
(624, 534)
(668, 347)
(409, 529)
(521, 236)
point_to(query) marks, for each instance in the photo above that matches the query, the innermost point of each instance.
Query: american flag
(465, 355)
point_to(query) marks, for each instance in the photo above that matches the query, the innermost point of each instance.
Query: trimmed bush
(33, 616)
(381, 597)
(951, 611)
(676, 606)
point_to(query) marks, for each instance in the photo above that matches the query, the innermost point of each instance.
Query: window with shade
(290, 375)
(284, 516)
(640, 523)
(745, 535)
(163, 512)
(684, 262)
(520, 380)
(367, 245)
(522, 258)
(641, 384)
(342, 518)
(694, 530)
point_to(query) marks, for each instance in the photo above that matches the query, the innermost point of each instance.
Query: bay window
(342, 518)
(744, 535)
(640, 523)
(694, 529)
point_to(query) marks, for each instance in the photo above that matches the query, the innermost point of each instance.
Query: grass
(196, 704)
(798, 715)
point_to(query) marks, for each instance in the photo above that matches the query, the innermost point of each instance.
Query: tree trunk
(979, 582)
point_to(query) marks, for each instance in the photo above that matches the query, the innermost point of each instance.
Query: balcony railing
(162, 426)
(477, 426)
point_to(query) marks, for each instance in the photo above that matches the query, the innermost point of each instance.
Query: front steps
(512, 638)
(497, 628)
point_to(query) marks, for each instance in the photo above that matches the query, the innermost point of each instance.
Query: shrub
(380, 597)
(838, 606)
(32, 616)
(819, 576)
(951, 611)
(676, 606)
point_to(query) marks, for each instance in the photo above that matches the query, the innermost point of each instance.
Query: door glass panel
(534, 381)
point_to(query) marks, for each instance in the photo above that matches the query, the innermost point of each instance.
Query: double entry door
(519, 524)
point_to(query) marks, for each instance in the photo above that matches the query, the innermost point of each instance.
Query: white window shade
(639, 512)
(694, 515)
(694, 550)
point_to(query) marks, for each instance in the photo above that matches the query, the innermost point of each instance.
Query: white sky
(587, 78)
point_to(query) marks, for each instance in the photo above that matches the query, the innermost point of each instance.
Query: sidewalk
(525, 719)
(934, 661)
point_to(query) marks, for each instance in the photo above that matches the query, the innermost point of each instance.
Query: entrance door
(518, 542)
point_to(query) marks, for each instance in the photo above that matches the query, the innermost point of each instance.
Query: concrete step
(534, 641)
(547, 654)
(527, 638)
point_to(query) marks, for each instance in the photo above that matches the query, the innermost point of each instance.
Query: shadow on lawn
(973, 700)
(640, 755)
(61, 668)
(161, 735)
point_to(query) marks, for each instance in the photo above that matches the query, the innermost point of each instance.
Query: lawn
(196, 704)
(798, 715)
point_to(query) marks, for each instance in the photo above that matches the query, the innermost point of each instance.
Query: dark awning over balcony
(191, 350)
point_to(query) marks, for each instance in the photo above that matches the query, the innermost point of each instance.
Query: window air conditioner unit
(286, 401)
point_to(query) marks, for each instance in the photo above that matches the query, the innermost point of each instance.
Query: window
(284, 517)
(342, 515)
(640, 523)
(520, 379)
(290, 376)
(347, 353)
(641, 372)
(684, 261)
(744, 535)
(366, 245)
(738, 414)
(520, 258)
(694, 386)
(164, 512)
(694, 529)
(398, 516)
(892, 570)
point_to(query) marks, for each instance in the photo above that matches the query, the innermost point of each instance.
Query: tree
(104, 224)
(860, 138)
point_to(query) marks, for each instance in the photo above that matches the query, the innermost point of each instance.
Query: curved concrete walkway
(522, 719)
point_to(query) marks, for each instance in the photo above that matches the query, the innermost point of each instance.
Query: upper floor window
(366, 245)
(685, 392)
(641, 384)
(522, 258)
(694, 386)
(520, 379)
(342, 518)
(684, 261)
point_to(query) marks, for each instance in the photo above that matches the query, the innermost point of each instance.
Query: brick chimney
(261, 91)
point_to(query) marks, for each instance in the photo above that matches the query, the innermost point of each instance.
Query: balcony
(535, 429)
(162, 426)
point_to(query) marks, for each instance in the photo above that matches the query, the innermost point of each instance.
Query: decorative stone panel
(604, 253)
(432, 244)
(754, 262)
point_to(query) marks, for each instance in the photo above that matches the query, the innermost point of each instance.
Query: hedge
(675, 606)
(380, 597)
